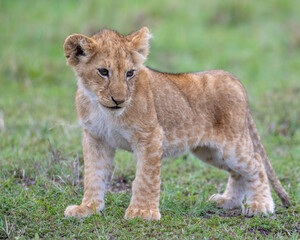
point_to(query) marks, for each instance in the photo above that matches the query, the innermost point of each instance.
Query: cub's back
(201, 96)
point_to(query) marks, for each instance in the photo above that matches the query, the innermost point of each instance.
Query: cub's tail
(259, 148)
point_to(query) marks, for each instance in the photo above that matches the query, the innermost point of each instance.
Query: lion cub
(123, 104)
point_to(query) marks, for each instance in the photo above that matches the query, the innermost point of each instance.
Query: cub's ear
(78, 48)
(139, 42)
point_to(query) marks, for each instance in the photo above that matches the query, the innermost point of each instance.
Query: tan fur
(162, 115)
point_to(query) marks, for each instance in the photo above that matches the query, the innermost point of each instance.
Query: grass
(40, 151)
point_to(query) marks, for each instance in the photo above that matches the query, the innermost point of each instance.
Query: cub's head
(107, 65)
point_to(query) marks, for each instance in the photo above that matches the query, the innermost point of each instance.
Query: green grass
(40, 139)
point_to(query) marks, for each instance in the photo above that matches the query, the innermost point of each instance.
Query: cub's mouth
(113, 108)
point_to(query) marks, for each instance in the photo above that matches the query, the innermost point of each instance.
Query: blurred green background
(257, 41)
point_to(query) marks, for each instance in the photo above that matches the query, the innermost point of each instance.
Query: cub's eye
(130, 73)
(103, 72)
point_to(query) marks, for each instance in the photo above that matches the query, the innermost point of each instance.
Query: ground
(41, 165)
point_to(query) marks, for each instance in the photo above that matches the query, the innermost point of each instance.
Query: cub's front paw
(146, 214)
(83, 210)
(258, 208)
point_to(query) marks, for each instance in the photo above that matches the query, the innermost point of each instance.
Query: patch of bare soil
(266, 232)
(231, 213)
(262, 231)
(120, 184)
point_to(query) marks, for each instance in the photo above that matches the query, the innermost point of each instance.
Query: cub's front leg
(146, 185)
(98, 158)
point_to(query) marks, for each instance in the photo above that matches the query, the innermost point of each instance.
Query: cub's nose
(117, 101)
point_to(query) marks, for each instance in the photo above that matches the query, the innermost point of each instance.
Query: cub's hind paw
(146, 214)
(225, 202)
(258, 208)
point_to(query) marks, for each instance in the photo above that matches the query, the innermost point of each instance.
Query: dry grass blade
(2, 123)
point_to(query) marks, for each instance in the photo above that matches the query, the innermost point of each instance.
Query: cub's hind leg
(235, 189)
(233, 195)
(241, 159)
(247, 177)
(259, 198)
